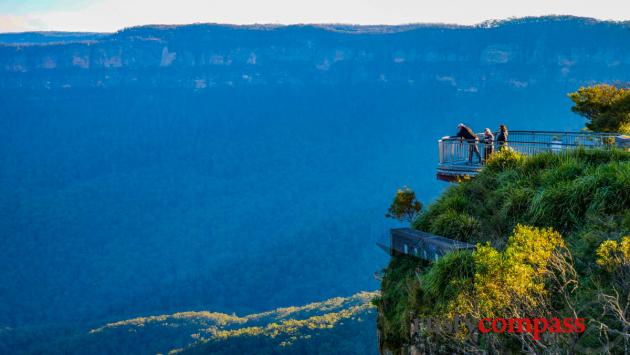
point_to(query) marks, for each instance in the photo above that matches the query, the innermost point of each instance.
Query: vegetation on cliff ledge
(551, 233)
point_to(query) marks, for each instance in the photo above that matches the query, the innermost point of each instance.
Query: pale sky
(111, 15)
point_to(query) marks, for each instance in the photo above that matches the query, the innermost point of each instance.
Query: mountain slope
(341, 325)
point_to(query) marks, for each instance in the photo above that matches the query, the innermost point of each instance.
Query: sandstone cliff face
(515, 54)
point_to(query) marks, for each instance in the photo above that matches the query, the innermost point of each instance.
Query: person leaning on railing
(502, 137)
(466, 133)
(488, 144)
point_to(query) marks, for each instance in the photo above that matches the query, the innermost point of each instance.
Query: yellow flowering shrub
(612, 254)
(514, 276)
(505, 158)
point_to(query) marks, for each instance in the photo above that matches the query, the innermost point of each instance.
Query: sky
(112, 15)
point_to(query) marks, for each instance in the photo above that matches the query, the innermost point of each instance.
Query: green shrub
(596, 157)
(553, 207)
(516, 204)
(511, 177)
(448, 277)
(452, 200)
(456, 225)
(542, 161)
(567, 170)
(613, 194)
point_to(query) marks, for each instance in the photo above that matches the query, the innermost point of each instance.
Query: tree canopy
(405, 206)
(607, 107)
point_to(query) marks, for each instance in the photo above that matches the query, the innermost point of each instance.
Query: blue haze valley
(240, 169)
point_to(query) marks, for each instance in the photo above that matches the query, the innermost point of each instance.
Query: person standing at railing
(502, 137)
(466, 133)
(488, 144)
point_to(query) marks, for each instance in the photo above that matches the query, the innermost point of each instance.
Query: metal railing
(586, 139)
(453, 150)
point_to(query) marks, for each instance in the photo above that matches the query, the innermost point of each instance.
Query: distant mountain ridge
(205, 55)
(48, 37)
(63, 36)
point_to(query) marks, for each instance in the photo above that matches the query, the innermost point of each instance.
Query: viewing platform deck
(423, 245)
(454, 153)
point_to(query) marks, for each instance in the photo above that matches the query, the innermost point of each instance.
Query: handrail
(570, 132)
(524, 142)
(582, 133)
(452, 150)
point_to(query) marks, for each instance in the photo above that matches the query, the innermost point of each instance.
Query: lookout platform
(453, 166)
(453, 153)
(427, 246)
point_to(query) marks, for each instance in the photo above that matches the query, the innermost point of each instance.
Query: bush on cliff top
(545, 190)
(584, 195)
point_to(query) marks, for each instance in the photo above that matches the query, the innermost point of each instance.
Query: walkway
(453, 152)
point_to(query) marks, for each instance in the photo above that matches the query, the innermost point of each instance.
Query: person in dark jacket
(502, 137)
(488, 144)
(466, 133)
